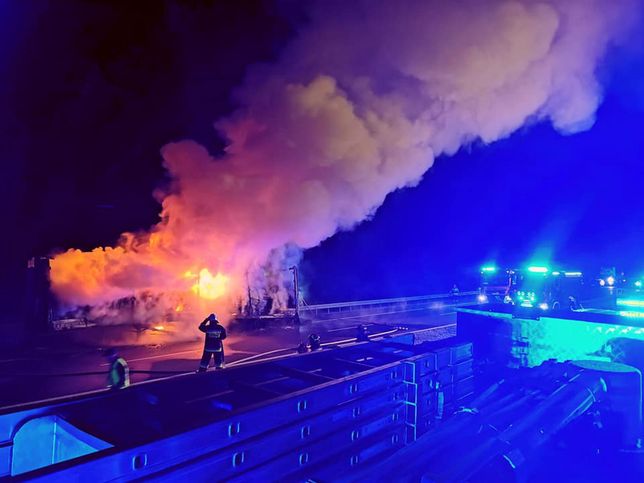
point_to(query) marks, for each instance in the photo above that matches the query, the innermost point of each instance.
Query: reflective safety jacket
(215, 333)
(119, 374)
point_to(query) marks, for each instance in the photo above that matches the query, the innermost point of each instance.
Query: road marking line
(162, 356)
(353, 339)
(158, 356)
(345, 328)
(239, 361)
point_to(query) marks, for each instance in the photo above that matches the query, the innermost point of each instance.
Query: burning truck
(159, 312)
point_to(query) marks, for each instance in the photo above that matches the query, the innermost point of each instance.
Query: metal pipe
(534, 425)
(514, 446)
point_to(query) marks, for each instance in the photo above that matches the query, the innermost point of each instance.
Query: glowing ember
(159, 327)
(210, 287)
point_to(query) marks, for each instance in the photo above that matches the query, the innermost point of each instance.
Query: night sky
(91, 90)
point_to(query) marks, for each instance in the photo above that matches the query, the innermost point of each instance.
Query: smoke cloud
(359, 105)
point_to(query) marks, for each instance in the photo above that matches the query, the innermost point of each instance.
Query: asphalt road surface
(71, 362)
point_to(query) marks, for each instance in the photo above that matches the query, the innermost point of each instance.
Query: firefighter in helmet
(118, 375)
(213, 346)
(362, 333)
(314, 342)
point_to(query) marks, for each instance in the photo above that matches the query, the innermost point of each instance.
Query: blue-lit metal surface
(535, 337)
(325, 411)
(47, 440)
(531, 424)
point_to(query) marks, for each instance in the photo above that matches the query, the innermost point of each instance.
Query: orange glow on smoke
(210, 286)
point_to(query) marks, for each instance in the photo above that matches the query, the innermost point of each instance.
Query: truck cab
(534, 286)
(494, 284)
(546, 289)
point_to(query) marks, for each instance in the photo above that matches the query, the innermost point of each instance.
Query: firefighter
(213, 346)
(314, 342)
(573, 305)
(362, 334)
(118, 375)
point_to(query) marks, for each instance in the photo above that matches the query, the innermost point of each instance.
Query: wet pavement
(71, 362)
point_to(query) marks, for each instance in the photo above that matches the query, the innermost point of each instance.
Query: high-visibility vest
(116, 379)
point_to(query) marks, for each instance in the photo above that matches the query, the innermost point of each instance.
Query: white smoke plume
(359, 105)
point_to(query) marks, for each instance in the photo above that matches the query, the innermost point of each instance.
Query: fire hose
(253, 358)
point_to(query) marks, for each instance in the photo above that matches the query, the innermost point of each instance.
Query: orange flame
(210, 286)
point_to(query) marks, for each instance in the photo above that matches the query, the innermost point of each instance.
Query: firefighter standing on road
(118, 376)
(362, 334)
(213, 347)
(454, 293)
